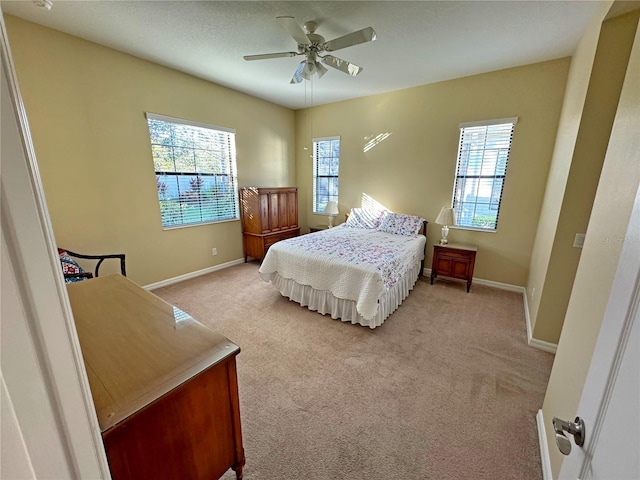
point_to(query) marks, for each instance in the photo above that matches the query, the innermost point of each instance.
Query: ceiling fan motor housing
(310, 26)
(316, 43)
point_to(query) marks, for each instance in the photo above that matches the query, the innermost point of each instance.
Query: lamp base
(445, 232)
(330, 221)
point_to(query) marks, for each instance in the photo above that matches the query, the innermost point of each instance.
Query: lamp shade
(331, 208)
(447, 216)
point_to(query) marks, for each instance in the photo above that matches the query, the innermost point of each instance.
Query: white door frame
(44, 378)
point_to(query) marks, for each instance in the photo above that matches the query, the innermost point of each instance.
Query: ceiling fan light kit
(312, 46)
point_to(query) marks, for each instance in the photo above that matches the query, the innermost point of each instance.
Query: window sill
(175, 227)
(473, 229)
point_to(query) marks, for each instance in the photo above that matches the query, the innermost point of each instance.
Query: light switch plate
(578, 241)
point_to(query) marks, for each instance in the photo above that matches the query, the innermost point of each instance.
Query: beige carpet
(446, 388)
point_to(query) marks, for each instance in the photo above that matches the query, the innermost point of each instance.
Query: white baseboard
(490, 283)
(542, 345)
(544, 447)
(500, 285)
(533, 342)
(197, 273)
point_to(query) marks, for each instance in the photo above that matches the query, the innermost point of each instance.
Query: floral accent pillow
(364, 218)
(401, 224)
(69, 265)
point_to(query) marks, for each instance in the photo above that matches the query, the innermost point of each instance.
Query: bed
(359, 272)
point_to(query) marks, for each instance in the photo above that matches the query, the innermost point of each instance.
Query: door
(610, 402)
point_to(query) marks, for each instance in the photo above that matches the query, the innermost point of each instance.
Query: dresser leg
(238, 469)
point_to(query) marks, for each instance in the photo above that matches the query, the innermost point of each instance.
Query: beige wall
(412, 170)
(606, 233)
(86, 106)
(91, 133)
(573, 105)
(584, 135)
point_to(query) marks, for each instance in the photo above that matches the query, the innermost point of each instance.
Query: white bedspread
(351, 263)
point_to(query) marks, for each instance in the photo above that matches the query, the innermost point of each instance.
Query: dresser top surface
(137, 347)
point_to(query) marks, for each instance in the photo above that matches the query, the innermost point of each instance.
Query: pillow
(401, 224)
(69, 265)
(364, 218)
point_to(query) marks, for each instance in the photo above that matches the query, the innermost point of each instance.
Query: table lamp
(331, 210)
(447, 216)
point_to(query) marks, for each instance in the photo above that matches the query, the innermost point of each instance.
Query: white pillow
(364, 218)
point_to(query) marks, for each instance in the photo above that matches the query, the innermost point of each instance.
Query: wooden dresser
(164, 386)
(268, 216)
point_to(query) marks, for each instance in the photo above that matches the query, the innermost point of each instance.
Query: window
(195, 166)
(326, 160)
(483, 154)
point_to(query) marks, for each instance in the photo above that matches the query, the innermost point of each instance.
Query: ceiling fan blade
(290, 26)
(265, 56)
(361, 36)
(297, 75)
(342, 65)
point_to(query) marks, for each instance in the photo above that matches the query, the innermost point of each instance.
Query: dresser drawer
(271, 239)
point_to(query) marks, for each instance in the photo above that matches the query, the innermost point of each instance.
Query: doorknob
(575, 428)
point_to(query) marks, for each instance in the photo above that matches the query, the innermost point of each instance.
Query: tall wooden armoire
(268, 215)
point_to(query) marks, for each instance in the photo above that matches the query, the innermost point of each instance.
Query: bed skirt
(339, 308)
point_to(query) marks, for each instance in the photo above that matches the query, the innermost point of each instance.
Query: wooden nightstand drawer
(454, 253)
(455, 261)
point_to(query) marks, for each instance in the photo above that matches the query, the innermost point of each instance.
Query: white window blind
(326, 166)
(195, 168)
(483, 154)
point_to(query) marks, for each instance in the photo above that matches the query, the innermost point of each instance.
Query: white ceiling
(418, 42)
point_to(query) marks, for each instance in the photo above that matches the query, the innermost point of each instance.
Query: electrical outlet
(533, 292)
(214, 251)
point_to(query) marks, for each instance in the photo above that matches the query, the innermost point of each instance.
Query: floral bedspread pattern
(352, 263)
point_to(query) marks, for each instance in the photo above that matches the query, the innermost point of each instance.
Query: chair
(75, 273)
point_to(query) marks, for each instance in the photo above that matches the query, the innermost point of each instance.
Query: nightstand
(454, 260)
(317, 228)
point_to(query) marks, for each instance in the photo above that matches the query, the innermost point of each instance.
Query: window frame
(228, 170)
(319, 206)
(491, 127)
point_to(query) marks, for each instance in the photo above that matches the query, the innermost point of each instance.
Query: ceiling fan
(314, 46)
